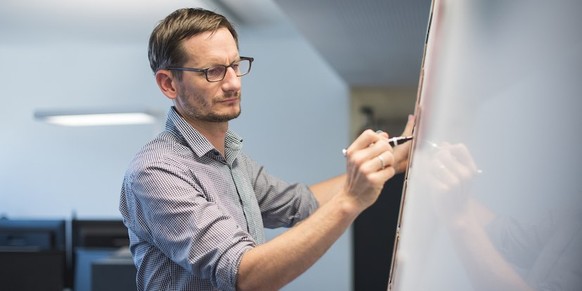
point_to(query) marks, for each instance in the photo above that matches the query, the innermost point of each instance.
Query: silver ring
(382, 165)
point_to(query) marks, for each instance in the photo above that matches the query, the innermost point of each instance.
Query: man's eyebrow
(213, 63)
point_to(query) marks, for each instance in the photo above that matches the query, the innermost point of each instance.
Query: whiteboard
(493, 193)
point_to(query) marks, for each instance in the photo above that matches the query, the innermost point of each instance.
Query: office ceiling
(371, 43)
(375, 43)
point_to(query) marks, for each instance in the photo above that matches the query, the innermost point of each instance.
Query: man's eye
(236, 67)
(215, 71)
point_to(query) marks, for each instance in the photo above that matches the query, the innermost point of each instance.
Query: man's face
(199, 100)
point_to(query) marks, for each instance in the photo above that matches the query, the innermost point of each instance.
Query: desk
(113, 273)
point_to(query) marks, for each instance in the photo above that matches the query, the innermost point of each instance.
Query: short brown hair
(164, 48)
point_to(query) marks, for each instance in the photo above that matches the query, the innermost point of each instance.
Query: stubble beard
(212, 117)
(198, 112)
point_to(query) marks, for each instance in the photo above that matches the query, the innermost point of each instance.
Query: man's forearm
(325, 190)
(274, 264)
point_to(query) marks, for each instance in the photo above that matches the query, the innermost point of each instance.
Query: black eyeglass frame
(205, 71)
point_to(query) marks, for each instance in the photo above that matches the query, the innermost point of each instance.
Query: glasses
(218, 72)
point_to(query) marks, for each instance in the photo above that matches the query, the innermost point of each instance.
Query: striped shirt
(184, 205)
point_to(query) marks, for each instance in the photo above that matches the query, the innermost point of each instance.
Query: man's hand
(370, 163)
(402, 152)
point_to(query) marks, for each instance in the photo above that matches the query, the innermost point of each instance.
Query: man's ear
(165, 81)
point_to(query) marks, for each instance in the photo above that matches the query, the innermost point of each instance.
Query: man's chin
(223, 118)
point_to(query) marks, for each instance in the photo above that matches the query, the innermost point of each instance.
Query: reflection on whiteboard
(493, 195)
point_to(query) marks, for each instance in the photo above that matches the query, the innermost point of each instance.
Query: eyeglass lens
(217, 73)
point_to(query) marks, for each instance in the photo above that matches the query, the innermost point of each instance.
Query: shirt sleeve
(169, 211)
(282, 204)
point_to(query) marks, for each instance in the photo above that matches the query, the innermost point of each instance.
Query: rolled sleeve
(170, 212)
(282, 204)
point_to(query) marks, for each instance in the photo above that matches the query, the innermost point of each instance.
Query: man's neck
(215, 132)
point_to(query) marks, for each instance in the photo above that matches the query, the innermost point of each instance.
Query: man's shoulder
(164, 149)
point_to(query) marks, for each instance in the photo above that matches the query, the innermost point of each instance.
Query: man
(196, 205)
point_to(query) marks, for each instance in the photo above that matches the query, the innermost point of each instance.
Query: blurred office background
(323, 70)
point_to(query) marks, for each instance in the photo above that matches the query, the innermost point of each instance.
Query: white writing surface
(493, 195)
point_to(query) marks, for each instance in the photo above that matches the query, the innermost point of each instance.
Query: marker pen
(392, 141)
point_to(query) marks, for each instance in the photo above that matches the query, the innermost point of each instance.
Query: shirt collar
(199, 143)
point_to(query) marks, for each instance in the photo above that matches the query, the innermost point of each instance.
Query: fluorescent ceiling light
(96, 118)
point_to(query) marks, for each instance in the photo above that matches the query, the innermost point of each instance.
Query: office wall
(295, 121)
